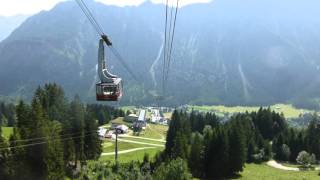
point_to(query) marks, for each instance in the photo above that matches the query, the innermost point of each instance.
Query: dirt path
(138, 142)
(274, 164)
(126, 151)
(137, 137)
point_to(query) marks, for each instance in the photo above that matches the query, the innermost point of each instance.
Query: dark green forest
(52, 137)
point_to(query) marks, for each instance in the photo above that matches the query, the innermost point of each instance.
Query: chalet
(131, 118)
(122, 128)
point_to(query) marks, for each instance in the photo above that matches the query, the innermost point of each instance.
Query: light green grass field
(108, 146)
(288, 110)
(119, 120)
(264, 172)
(155, 131)
(126, 108)
(132, 156)
(7, 131)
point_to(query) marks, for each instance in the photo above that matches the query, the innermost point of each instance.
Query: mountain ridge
(220, 57)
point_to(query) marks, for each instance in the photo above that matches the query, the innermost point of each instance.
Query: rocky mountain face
(9, 23)
(225, 52)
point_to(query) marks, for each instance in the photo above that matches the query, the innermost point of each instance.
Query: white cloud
(14, 7)
(181, 2)
(122, 3)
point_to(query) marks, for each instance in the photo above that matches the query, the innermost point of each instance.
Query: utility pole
(116, 147)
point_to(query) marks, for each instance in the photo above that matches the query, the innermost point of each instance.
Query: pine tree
(36, 154)
(196, 157)
(237, 152)
(180, 147)
(101, 117)
(173, 128)
(17, 162)
(218, 157)
(77, 123)
(54, 153)
(92, 142)
(24, 123)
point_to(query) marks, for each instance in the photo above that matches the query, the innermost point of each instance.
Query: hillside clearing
(264, 172)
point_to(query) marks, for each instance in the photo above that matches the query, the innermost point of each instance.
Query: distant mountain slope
(8, 24)
(226, 52)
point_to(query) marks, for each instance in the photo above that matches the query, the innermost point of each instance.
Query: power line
(39, 138)
(172, 38)
(94, 19)
(170, 29)
(124, 64)
(90, 17)
(44, 142)
(165, 47)
(168, 43)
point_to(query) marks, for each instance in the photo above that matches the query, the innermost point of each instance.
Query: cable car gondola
(110, 86)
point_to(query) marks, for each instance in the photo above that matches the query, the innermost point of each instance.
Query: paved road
(127, 151)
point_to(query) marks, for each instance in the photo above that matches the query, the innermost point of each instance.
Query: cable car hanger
(110, 86)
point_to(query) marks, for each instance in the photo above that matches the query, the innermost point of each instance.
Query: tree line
(292, 141)
(214, 149)
(52, 137)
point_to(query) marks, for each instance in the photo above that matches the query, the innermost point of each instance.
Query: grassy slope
(132, 156)
(109, 146)
(155, 131)
(264, 172)
(288, 110)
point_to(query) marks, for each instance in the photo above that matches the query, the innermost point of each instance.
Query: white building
(102, 132)
(123, 128)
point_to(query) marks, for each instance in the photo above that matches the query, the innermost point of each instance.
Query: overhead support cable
(172, 38)
(164, 48)
(100, 31)
(168, 45)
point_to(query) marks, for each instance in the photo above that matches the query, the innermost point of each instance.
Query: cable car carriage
(109, 91)
(110, 86)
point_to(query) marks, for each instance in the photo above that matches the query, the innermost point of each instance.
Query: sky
(29, 7)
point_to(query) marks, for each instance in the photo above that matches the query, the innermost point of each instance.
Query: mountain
(225, 52)
(9, 23)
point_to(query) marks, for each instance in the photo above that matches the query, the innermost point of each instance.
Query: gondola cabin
(109, 91)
